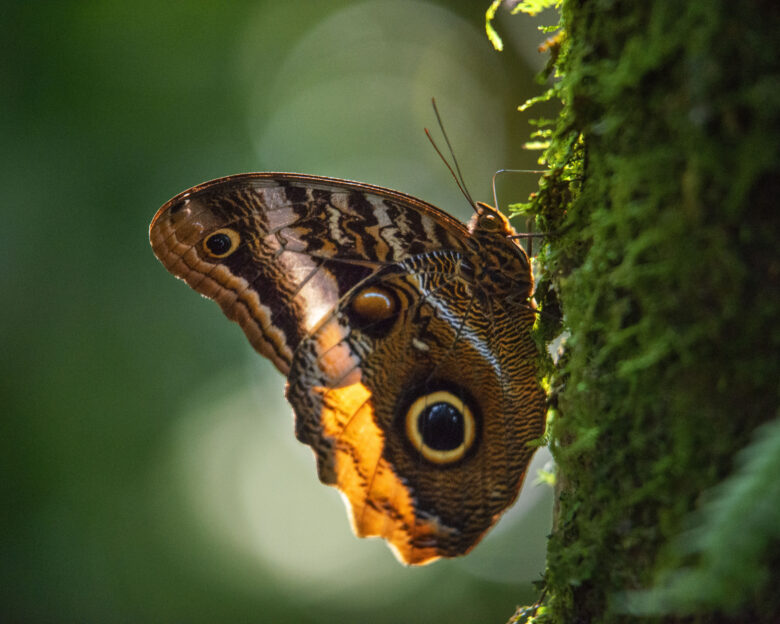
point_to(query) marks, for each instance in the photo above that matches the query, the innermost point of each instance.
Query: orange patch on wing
(378, 503)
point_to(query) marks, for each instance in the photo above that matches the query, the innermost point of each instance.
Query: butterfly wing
(415, 388)
(278, 251)
(421, 420)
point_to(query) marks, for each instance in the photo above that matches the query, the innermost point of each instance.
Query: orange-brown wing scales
(340, 423)
(236, 293)
(363, 384)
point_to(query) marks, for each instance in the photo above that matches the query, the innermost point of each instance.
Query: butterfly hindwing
(354, 387)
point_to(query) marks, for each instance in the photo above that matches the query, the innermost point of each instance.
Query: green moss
(661, 208)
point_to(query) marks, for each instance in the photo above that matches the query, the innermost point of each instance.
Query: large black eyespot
(441, 427)
(221, 243)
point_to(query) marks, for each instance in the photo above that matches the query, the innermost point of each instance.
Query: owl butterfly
(404, 336)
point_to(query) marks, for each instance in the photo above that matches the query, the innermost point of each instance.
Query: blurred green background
(150, 472)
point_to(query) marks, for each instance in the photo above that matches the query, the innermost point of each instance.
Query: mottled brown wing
(357, 388)
(277, 251)
(404, 335)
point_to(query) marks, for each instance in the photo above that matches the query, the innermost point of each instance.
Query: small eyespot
(221, 243)
(374, 310)
(374, 303)
(441, 427)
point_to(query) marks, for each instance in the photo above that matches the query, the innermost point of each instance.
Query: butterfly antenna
(528, 236)
(495, 197)
(449, 147)
(452, 171)
(458, 176)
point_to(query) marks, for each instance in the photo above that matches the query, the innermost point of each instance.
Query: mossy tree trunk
(663, 255)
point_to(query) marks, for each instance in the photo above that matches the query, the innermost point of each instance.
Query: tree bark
(663, 256)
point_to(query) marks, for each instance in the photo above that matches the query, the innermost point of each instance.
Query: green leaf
(491, 32)
(532, 7)
(544, 97)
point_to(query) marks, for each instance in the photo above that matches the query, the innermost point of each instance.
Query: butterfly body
(404, 336)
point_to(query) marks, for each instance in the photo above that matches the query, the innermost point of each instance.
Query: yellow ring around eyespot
(235, 239)
(415, 437)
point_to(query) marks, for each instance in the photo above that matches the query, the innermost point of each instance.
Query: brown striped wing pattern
(404, 335)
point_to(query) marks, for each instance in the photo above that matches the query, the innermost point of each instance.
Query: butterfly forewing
(302, 243)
